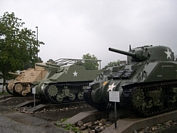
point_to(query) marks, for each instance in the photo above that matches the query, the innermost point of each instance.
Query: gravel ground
(166, 127)
(44, 122)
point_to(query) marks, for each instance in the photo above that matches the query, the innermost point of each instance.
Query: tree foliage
(18, 45)
(112, 64)
(90, 62)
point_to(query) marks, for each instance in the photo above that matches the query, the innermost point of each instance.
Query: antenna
(130, 48)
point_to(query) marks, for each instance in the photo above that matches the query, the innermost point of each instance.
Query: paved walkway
(15, 122)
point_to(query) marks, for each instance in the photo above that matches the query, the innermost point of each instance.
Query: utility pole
(37, 36)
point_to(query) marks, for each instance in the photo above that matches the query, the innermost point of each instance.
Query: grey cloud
(72, 28)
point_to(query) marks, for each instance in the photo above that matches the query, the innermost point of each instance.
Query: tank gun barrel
(41, 65)
(123, 52)
(14, 73)
(46, 65)
(56, 65)
(49, 65)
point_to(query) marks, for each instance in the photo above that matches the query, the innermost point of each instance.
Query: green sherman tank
(66, 81)
(147, 84)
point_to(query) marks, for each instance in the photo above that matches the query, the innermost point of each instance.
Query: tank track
(101, 106)
(10, 92)
(52, 99)
(135, 97)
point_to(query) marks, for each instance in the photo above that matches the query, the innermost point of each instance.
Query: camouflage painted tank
(147, 84)
(66, 81)
(25, 80)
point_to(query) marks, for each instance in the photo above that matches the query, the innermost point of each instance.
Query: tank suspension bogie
(138, 97)
(57, 93)
(67, 93)
(172, 96)
(22, 88)
(151, 99)
(155, 97)
(80, 96)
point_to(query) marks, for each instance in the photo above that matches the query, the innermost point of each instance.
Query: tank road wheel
(18, 88)
(80, 95)
(64, 94)
(72, 96)
(59, 97)
(138, 98)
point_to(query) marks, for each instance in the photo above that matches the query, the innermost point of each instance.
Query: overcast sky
(72, 28)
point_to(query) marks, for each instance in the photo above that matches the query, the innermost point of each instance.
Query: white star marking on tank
(75, 74)
(111, 87)
(168, 54)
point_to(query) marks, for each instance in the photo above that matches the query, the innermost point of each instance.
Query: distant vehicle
(25, 80)
(66, 81)
(147, 84)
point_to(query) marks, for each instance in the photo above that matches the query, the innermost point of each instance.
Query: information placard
(114, 96)
(33, 90)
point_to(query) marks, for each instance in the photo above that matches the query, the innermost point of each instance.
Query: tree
(91, 62)
(18, 45)
(112, 64)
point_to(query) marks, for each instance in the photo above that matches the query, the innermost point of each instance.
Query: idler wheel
(138, 97)
(18, 88)
(52, 90)
(10, 86)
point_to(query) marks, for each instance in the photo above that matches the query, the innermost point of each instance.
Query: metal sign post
(114, 97)
(34, 92)
(115, 109)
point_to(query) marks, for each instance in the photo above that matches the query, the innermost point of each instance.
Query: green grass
(3, 93)
(68, 126)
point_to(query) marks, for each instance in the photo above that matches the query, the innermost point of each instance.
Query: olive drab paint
(66, 80)
(147, 83)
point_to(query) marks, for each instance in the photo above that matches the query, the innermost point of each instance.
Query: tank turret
(147, 53)
(146, 85)
(137, 55)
